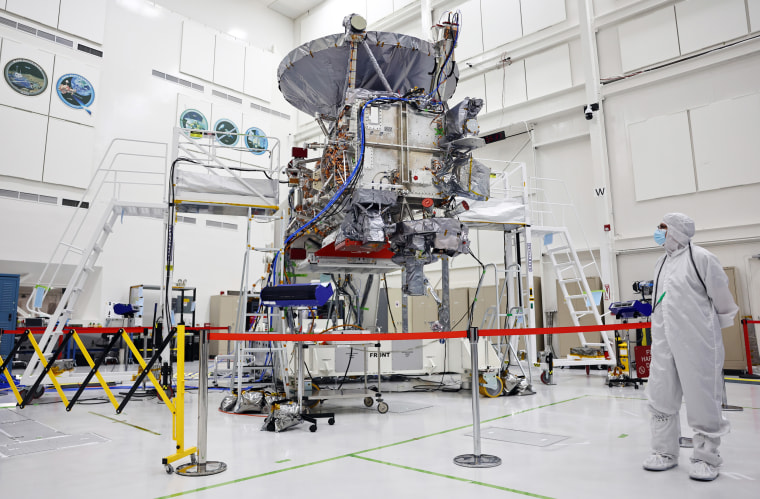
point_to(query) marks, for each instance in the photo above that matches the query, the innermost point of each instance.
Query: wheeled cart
(320, 394)
(618, 375)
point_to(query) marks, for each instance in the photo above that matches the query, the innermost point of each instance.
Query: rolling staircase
(548, 211)
(85, 237)
(515, 298)
(577, 294)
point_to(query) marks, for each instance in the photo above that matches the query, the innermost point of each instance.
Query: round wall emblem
(256, 141)
(75, 91)
(25, 77)
(193, 119)
(226, 132)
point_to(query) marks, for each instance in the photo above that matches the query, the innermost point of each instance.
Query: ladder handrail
(61, 316)
(101, 211)
(66, 241)
(578, 278)
(536, 204)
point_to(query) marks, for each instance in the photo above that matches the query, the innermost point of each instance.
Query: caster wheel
(544, 378)
(39, 392)
(382, 407)
(331, 421)
(169, 469)
(609, 384)
(491, 392)
(368, 401)
(22, 393)
(313, 428)
(636, 386)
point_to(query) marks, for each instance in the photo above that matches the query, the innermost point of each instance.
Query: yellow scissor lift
(176, 404)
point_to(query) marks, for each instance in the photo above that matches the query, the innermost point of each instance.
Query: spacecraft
(395, 166)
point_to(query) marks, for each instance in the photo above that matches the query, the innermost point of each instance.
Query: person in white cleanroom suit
(692, 303)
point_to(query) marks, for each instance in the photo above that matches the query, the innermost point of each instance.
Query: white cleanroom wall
(138, 38)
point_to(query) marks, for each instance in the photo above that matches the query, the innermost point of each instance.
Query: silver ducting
(228, 403)
(466, 177)
(365, 220)
(462, 119)
(251, 401)
(283, 415)
(418, 242)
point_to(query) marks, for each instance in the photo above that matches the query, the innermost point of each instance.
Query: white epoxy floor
(394, 455)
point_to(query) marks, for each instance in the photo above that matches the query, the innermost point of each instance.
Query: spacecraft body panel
(401, 148)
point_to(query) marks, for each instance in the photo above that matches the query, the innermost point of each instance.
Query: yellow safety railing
(12, 384)
(91, 363)
(176, 405)
(46, 364)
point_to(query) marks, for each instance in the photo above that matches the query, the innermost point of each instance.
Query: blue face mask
(659, 236)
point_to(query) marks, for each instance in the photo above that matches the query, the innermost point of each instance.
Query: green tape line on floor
(451, 477)
(268, 473)
(124, 422)
(468, 425)
(356, 454)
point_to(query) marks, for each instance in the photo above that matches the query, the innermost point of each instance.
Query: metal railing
(96, 198)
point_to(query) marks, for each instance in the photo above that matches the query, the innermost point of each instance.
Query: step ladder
(88, 257)
(263, 320)
(518, 291)
(577, 294)
(504, 314)
(494, 318)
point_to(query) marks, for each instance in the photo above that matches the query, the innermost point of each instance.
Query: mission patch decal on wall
(76, 91)
(194, 120)
(256, 141)
(25, 77)
(227, 132)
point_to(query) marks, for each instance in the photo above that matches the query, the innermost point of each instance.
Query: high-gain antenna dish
(314, 76)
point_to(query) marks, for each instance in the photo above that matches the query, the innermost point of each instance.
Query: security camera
(589, 109)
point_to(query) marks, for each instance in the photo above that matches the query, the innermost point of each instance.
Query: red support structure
(746, 342)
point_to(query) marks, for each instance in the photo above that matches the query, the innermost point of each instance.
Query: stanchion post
(724, 403)
(202, 467)
(299, 346)
(202, 399)
(476, 459)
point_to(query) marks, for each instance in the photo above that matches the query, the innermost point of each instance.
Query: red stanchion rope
(421, 336)
(104, 330)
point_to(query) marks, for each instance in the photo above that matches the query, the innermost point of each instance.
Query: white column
(599, 157)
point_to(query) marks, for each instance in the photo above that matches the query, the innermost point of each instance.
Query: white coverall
(687, 345)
